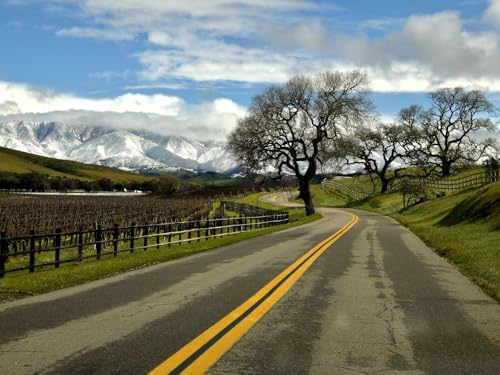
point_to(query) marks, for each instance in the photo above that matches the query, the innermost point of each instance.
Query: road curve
(377, 301)
(280, 199)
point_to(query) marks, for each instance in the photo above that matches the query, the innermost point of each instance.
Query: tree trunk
(305, 195)
(385, 184)
(445, 169)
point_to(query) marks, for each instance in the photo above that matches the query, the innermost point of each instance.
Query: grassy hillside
(464, 227)
(21, 162)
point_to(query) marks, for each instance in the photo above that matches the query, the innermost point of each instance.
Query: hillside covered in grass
(465, 228)
(17, 162)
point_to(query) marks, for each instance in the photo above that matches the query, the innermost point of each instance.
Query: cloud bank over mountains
(159, 113)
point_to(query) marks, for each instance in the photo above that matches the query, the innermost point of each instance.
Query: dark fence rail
(53, 249)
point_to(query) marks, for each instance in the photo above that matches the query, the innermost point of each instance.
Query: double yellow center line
(197, 356)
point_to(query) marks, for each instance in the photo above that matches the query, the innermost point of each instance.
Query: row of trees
(163, 185)
(328, 120)
(35, 181)
(437, 140)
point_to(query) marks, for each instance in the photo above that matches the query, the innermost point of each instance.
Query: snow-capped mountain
(126, 149)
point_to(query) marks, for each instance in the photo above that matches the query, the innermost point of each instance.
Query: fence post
(116, 234)
(198, 224)
(158, 230)
(145, 233)
(32, 251)
(80, 244)
(4, 251)
(98, 244)
(57, 245)
(132, 237)
(169, 233)
(179, 229)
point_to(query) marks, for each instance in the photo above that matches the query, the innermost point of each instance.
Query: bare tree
(376, 149)
(411, 190)
(444, 132)
(289, 125)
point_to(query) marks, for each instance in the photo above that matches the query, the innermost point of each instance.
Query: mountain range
(133, 150)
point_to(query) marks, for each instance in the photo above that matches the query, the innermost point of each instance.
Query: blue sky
(192, 67)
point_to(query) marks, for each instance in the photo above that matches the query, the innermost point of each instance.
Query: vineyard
(38, 250)
(19, 215)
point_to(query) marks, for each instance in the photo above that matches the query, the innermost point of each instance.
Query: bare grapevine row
(21, 214)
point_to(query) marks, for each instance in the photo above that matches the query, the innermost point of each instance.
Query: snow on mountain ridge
(126, 149)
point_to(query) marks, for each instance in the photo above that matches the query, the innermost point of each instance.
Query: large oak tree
(289, 125)
(377, 149)
(444, 134)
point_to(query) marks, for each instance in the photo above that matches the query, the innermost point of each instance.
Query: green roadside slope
(464, 227)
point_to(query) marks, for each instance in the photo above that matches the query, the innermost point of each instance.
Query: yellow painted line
(201, 353)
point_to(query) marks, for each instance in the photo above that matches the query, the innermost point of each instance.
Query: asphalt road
(376, 301)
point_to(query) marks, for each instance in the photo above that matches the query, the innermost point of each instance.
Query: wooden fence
(349, 193)
(430, 183)
(455, 184)
(43, 250)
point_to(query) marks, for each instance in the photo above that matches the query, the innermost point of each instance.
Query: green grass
(360, 183)
(21, 162)
(322, 197)
(20, 284)
(465, 228)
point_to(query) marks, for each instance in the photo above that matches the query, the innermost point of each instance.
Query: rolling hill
(22, 162)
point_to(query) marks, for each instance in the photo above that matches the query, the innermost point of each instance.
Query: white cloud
(92, 33)
(110, 75)
(153, 86)
(133, 10)
(492, 13)
(30, 100)
(9, 107)
(429, 51)
(223, 62)
(159, 113)
(256, 41)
